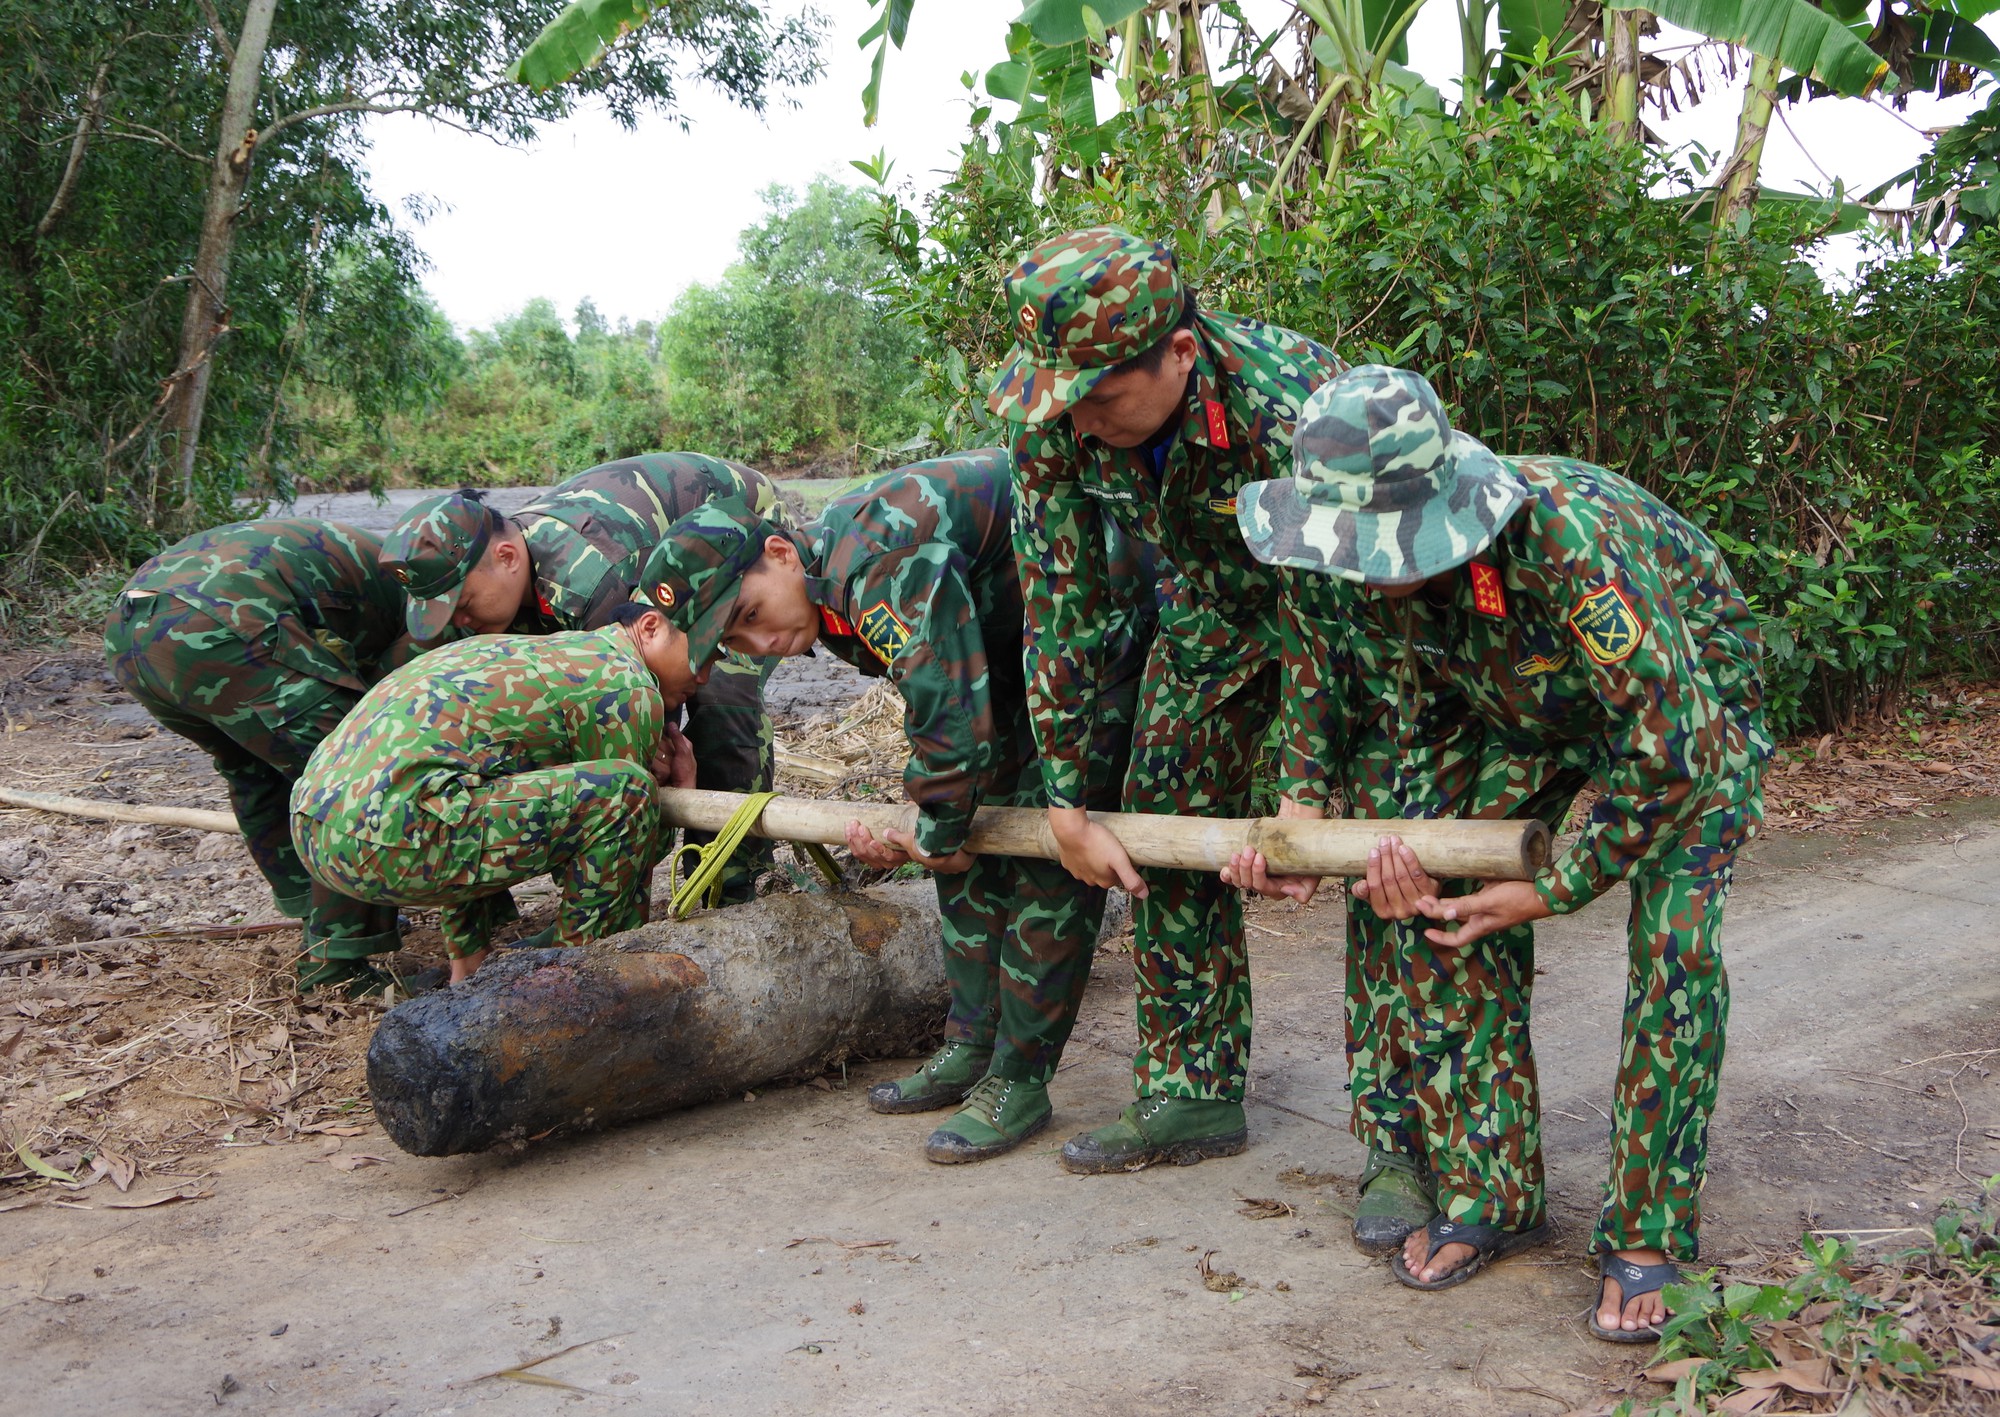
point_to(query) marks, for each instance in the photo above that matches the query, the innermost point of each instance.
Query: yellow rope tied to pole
(703, 885)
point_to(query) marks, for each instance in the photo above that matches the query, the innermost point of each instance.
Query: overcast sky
(631, 219)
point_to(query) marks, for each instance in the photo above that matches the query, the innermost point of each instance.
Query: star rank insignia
(1218, 425)
(1489, 597)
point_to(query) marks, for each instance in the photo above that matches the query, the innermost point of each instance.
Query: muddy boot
(998, 1116)
(360, 979)
(1182, 1130)
(952, 1072)
(540, 940)
(1397, 1196)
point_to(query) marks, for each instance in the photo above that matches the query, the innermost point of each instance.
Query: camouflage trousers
(732, 740)
(1440, 1058)
(1020, 934)
(593, 827)
(258, 721)
(1198, 742)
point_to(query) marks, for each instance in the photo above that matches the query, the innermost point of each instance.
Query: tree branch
(215, 28)
(143, 134)
(373, 103)
(93, 109)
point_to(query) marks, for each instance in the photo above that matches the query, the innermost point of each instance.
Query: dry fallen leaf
(191, 1191)
(1264, 1208)
(121, 1169)
(354, 1161)
(1985, 1379)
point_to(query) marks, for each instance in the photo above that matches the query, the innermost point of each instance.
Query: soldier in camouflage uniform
(500, 758)
(912, 576)
(1487, 635)
(566, 561)
(1137, 410)
(252, 641)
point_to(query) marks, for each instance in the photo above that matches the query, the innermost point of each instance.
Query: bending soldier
(500, 758)
(253, 641)
(1137, 409)
(912, 576)
(1488, 635)
(567, 561)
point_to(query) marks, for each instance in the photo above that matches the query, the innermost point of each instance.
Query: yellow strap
(703, 885)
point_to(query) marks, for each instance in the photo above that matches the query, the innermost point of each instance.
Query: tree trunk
(1738, 194)
(1621, 74)
(207, 316)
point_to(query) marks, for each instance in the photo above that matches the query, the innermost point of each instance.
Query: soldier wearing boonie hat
(1483, 636)
(1135, 408)
(567, 561)
(912, 576)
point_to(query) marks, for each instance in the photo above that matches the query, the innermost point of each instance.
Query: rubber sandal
(1489, 1243)
(1633, 1281)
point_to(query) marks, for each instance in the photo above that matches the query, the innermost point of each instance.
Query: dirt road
(793, 1253)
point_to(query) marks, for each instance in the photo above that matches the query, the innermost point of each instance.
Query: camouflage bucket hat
(1082, 304)
(1384, 492)
(693, 575)
(430, 551)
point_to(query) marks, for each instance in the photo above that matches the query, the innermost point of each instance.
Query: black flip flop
(1633, 1281)
(1489, 1243)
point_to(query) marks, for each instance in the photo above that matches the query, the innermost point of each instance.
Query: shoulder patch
(1489, 597)
(1222, 506)
(1606, 623)
(882, 632)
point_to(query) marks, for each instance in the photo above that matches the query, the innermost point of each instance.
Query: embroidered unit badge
(1489, 597)
(1540, 664)
(1222, 506)
(1606, 623)
(882, 632)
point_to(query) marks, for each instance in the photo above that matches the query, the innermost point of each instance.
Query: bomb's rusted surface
(666, 1016)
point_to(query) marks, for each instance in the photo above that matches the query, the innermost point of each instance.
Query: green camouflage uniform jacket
(309, 594)
(913, 575)
(1600, 628)
(1248, 382)
(488, 707)
(589, 536)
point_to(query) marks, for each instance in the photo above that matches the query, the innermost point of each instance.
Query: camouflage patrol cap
(693, 575)
(433, 546)
(1082, 304)
(1384, 492)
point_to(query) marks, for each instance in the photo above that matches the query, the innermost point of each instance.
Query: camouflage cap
(1082, 304)
(433, 546)
(1384, 492)
(693, 575)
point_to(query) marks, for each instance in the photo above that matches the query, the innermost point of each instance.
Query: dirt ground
(241, 1236)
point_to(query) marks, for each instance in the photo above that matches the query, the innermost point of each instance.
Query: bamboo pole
(1493, 851)
(120, 812)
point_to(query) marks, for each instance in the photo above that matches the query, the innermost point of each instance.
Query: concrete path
(793, 1253)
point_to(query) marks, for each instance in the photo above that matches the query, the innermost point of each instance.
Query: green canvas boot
(1182, 1130)
(998, 1116)
(1397, 1196)
(952, 1072)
